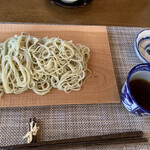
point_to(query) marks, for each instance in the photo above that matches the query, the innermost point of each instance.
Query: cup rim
(136, 46)
(128, 78)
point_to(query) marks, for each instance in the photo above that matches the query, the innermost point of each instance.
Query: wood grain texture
(101, 87)
(99, 12)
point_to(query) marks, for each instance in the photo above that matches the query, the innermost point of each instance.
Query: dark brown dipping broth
(140, 90)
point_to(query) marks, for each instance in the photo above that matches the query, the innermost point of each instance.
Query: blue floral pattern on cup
(127, 99)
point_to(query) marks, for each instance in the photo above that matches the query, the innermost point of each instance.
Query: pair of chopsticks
(108, 139)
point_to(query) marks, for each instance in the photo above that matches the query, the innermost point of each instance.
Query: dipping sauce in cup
(135, 93)
(140, 90)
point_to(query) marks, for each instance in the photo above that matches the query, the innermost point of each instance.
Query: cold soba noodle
(28, 62)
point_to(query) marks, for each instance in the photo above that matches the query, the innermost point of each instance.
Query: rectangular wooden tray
(101, 87)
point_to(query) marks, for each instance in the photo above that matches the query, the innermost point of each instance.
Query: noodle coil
(28, 62)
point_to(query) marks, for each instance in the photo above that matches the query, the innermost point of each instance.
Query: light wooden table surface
(99, 12)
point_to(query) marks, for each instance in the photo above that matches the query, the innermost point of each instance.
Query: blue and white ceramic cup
(142, 45)
(141, 71)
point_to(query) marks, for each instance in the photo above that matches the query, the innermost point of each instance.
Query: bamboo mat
(72, 121)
